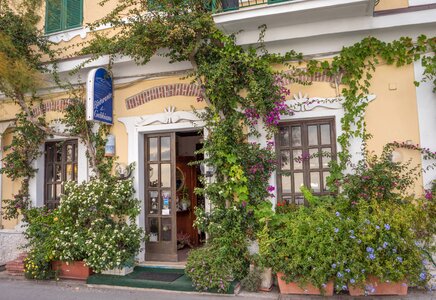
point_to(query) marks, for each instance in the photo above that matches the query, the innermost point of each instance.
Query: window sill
(67, 35)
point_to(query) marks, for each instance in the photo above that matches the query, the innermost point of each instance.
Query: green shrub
(95, 222)
(252, 281)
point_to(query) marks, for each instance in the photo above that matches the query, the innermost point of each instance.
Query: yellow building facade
(153, 105)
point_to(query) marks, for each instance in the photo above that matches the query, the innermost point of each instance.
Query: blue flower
(333, 266)
(339, 275)
(369, 250)
(336, 230)
(344, 287)
(359, 241)
(352, 280)
(385, 244)
(363, 271)
(387, 226)
(367, 221)
(351, 231)
(399, 259)
(394, 250)
(352, 236)
(347, 270)
(377, 227)
(423, 276)
(371, 256)
(338, 214)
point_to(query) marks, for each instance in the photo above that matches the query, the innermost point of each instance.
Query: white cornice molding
(169, 116)
(302, 103)
(161, 121)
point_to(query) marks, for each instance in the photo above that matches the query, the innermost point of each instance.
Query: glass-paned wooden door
(160, 191)
(304, 149)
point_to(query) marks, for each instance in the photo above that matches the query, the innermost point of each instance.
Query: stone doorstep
(118, 271)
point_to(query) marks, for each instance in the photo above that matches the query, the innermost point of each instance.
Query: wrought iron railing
(217, 6)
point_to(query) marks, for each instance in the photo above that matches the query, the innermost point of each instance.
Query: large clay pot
(376, 287)
(71, 270)
(309, 289)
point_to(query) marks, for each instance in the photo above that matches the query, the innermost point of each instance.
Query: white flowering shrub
(96, 224)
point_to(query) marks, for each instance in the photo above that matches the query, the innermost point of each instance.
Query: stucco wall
(10, 242)
(391, 4)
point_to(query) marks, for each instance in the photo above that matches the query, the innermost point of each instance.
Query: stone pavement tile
(414, 294)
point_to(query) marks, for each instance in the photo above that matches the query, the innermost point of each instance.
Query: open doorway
(170, 199)
(187, 180)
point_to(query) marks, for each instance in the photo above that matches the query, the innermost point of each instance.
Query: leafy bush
(302, 245)
(252, 281)
(39, 235)
(95, 222)
(382, 240)
(225, 258)
(378, 177)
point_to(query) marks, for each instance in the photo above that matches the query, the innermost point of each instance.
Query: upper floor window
(60, 166)
(63, 14)
(304, 149)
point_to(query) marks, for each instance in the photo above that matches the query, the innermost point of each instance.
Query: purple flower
(347, 270)
(369, 250)
(371, 256)
(352, 236)
(336, 230)
(387, 226)
(394, 250)
(333, 266)
(385, 244)
(344, 287)
(352, 281)
(399, 259)
(367, 221)
(338, 214)
(339, 274)
(271, 188)
(428, 195)
(377, 227)
(359, 241)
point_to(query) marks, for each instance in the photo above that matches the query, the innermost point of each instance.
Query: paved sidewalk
(18, 288)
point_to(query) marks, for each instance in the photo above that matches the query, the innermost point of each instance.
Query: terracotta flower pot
(376, 287)
(71, 270)
(309, 289)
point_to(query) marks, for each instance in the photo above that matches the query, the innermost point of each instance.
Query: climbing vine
(356, 65)
(24, 53)
(243, 94)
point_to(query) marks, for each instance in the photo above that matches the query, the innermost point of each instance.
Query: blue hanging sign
(99, 90)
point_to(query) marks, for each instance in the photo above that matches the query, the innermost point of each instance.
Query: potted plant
(95, 228)
(386, 253)
(300, 248)
(386, 230)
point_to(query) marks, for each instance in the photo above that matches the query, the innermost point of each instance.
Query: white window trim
(318, 109)
(36, 184)
(426, 104)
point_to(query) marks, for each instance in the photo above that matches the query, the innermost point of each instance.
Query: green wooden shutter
(53, 19)
(73, 13)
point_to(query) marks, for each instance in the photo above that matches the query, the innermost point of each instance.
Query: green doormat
(156, 276)
(152, 278)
